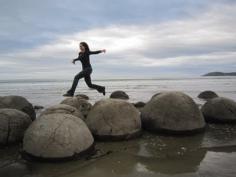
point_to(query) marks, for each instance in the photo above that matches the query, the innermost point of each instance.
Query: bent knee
(90, 85)
(77, 77)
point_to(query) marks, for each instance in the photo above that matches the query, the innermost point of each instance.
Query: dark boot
(103, 91)
(68, 94)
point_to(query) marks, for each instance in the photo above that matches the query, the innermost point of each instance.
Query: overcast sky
(144, 39)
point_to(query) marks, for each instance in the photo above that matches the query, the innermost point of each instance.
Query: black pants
(85, 73)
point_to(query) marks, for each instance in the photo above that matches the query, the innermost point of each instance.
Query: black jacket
(84, 58)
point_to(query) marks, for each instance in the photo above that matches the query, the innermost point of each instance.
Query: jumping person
(86, 70)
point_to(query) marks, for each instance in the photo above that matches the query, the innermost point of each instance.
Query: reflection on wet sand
(212, 153)
(173, 155)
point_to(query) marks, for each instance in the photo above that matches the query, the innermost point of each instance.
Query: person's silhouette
(86, 71)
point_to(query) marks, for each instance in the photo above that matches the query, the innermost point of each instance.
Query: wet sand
(212, 153)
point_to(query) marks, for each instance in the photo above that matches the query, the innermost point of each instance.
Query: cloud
(201, 40)
(28, 23)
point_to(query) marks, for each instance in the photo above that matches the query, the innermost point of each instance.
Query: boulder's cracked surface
(19, 103)
(81, 104)
(13, 124)
(57, 136)
(220, 110)
(172, 112)
(63, 109)
(114, 119)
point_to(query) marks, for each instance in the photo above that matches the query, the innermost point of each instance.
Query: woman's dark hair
(86, 46)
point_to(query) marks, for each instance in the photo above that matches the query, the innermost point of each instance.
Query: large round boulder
(63, 109)
(172, 113)
(18, 102)
(153, 96)
(13, 124)
(57, 137)
(207, 95)
(81, 104)
(220, 110)
(114, 119)
(119, 94)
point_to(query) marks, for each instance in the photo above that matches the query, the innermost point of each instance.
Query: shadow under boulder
(219, 110)
(172, 113)
(18, 102)
(13, 124)
(114, 119)
(55, 137)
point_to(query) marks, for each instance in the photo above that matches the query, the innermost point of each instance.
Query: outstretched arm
(97, 52)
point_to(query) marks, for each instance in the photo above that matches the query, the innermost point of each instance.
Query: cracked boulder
(172, 113)
(18, 102)
(81, 104)
(63, 109)
(219, 110)
(56, 137)
(114, 119)
(206, 95)
(13, 124)
(120, 95)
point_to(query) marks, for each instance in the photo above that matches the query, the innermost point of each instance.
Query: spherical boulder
(139, 105)
(114, 119)
(81, 104)
(63, 109)
(207, 95)
(172, 113)
(156, 95)
(13, 124)
(119, 94)
(219, 110)
(18, 102)
(57, 137)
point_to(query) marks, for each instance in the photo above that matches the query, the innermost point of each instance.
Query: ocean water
(49, 92)
(208, 154)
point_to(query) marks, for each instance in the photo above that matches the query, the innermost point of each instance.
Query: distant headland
(220, 74)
